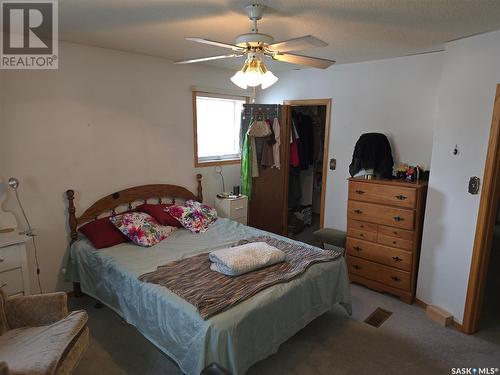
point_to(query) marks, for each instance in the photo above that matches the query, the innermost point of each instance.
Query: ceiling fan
(255, 46)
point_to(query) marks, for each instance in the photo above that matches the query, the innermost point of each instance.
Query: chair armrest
(37, 310)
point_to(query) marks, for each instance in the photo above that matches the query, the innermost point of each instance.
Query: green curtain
(246, 167)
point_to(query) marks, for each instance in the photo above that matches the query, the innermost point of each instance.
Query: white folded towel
(234, 261)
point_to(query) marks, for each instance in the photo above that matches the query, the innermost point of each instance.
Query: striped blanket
(212, 292)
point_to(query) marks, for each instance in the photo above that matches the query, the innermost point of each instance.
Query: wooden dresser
(384, 231)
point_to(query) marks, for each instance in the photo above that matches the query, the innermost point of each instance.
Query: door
(268, 205)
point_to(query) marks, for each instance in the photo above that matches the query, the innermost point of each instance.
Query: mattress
(236, 338)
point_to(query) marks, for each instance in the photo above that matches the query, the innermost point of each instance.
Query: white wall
(106, 120)
(471, 70)
(395, 97)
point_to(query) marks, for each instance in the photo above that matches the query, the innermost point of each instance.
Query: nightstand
(233, 208)
(14, 274)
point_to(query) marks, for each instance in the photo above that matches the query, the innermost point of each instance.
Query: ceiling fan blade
(214, 43)
(297, 44)
(314, 62)
(201, 59)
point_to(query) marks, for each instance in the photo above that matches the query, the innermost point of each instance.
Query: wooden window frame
(197, 163)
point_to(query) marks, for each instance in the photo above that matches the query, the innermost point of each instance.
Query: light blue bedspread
(236, 338)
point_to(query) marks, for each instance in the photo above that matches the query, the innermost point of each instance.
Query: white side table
(14, 274)
(233, 208)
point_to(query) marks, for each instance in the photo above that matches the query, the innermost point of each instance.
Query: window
(217, 128)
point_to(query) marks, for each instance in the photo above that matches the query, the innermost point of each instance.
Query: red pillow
(102, 233)
(157, 211)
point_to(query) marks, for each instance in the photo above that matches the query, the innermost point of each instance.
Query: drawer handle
(1, 260)
(362, 226)
(357, 248)
(395, 278)
(398, 218)
(401, 197)
(358, 211)
(396, 233)
(394, 242)
(361, 235)
(356, 267)
(359, 191)
(397, 259)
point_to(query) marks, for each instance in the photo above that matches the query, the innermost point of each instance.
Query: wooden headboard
(127, 197)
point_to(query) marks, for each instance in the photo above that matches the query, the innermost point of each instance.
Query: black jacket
(372, 151)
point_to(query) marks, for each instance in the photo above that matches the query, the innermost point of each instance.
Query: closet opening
(308, 159)
(482, 306)
(490, 313)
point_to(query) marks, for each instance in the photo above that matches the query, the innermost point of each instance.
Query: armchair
(39, 336)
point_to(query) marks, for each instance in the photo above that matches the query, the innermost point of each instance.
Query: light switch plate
(333, 164)
(474, 183)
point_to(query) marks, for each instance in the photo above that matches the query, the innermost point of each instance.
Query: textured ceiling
(355, 30)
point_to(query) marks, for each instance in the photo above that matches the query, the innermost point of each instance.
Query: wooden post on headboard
(73, 223)
(199, 177)
(71, 215)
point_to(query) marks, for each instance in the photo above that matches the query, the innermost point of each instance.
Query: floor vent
(378, 317)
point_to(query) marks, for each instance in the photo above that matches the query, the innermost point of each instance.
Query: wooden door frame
(326, 143)
(484, 228)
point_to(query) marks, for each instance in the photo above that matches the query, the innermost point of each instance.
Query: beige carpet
(407, 343)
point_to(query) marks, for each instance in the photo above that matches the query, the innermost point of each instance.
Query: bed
(236, 338)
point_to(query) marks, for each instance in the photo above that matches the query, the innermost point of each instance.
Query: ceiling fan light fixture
(268, 79)
(239, 78)
(254, 73)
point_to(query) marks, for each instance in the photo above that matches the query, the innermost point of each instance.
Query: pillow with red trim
(141, 228)
(159, 213)
(101, 233)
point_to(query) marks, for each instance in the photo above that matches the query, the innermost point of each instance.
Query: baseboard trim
(455, 324)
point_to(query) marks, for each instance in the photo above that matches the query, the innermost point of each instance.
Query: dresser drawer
(375, 213)
(12, 281)
(242, 220)
(395, 232)
(379, 253)
(383, 194)
(362, 225)
(10, 257)
(395, 242)
(377, 272)
(238, 208)
(363, 234)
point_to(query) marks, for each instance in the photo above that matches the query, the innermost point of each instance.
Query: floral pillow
(209, 212)
(194, 216)
(141, 228)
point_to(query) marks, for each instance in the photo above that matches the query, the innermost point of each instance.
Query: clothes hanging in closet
(304, 127)
(276, 146)
(246, 167)
(294, 147)
(267, 158)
